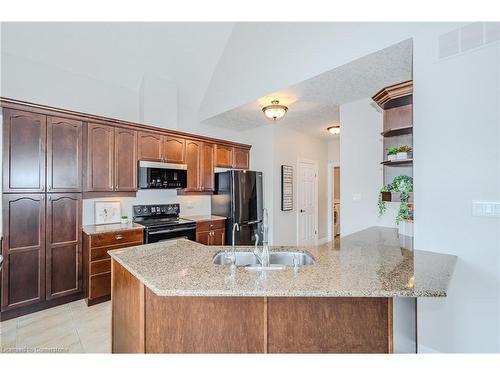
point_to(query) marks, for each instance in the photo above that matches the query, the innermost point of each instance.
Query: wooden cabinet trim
(86, 117)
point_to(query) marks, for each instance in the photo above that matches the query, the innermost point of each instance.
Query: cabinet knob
(118, 237)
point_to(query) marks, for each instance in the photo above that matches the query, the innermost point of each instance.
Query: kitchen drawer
(100, 266)
(210, 225)
(100, 285)
(102, 252)
(116, 238)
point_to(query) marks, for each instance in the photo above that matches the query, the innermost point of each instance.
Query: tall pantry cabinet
(41, 204)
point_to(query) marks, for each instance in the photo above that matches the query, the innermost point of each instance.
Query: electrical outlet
(486, 209)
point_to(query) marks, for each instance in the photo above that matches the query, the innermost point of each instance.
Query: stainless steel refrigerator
(238, 197)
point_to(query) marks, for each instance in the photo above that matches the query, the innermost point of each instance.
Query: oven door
(167, 234)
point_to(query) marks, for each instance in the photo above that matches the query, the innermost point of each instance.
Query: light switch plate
(486, 209)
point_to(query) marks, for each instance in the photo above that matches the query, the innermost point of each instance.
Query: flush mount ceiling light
(334, 129)
(275, 111)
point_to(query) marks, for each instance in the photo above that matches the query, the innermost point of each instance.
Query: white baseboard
(422, 349)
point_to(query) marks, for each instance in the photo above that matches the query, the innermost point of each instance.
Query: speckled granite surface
(106, 228)
(369, 263)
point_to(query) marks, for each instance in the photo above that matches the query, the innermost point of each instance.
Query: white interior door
(307, 207)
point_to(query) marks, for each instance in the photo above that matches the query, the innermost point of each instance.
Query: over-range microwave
(156, 175)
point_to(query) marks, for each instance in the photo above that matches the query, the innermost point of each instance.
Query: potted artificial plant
(403, 151)
(391, 153)
(124, 219)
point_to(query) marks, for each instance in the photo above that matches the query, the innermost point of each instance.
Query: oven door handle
(170, 230)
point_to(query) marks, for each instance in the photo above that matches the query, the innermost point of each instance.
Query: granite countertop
(109, 228)
(200, 218)
(369, 263)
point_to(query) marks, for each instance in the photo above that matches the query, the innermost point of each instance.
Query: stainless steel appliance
(155, 175)
(162, 223)
(238, 197)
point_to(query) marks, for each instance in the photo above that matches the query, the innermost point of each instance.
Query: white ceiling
(313, 104)
(121, 53)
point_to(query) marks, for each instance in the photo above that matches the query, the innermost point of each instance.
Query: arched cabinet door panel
(64, 155)
(64, 245)
(100, 157)
(150, 146)
(24, 135)
(23, 270)
(125, 160)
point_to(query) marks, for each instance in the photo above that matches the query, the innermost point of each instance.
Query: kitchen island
(171, 298)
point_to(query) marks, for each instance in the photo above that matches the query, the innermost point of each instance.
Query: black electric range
(162, 223)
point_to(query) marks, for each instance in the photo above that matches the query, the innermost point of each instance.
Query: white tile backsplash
(190, 204)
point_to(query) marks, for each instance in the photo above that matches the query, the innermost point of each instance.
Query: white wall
(334, 151)
(158, 102)
(289, 146)
(361, 150)
(455, 140)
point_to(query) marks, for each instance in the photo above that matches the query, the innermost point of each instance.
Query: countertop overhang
(369, 263)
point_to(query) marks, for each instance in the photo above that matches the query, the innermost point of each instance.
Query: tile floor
(69, 328)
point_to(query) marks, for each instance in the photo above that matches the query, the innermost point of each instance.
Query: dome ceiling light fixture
(335, 130)
(275, 111)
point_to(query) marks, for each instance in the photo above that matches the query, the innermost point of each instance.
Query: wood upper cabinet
(223, 156)
(63, 265)
(125, 160)
(64, 155)
(193, 161)
(174, 149)
(111, 158)
(150, 146)
(207, 167)
(24, 135)
(100, 155)
(23, 270)
(241, 158)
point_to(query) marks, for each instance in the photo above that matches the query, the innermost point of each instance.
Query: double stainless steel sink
(279, 258)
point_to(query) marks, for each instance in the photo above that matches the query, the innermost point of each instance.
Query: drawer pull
(119, 237)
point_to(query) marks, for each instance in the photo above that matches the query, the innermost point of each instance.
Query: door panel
(217, 237)
(207, 167)
(125, 160)
(203, 238)
(174, 150)
(64, 155)
(24, 138)
(307, 204)
(240, 158)
(150, 146)
(100, 157)
(23, 271)
(64, 252)
(246, 197)
(223, 156)
(193, 154)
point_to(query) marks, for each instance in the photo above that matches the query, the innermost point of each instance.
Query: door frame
(331, 192)
(316, 172)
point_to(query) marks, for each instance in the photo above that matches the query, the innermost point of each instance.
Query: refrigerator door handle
(253, 222)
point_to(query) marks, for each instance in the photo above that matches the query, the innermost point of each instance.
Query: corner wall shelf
(398, 131)
(394, 162)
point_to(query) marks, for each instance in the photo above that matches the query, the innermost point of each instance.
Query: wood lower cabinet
(97, 262)
(23, 269)
(211, 233)
(64, 155)
(24, 143)
(63, 262)
(150, 146)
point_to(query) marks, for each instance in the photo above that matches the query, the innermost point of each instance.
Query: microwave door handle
(169, 231)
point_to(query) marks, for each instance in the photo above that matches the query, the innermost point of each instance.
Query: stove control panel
(172, 209)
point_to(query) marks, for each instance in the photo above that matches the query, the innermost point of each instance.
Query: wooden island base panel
(143, 322)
